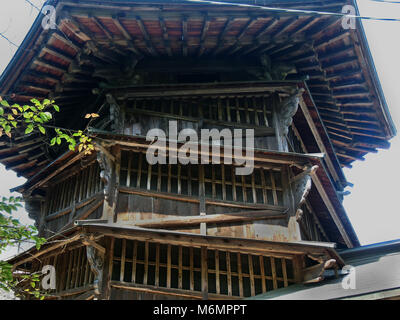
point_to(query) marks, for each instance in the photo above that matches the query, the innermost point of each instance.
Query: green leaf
(1, 111)
(4, 103)
(48, 115)
(29, 129)
(58, 140)
(36, 102)
(53, 141)
(41, 129)
(57, 108)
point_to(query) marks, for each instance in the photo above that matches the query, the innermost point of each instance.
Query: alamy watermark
(49, 279)
(49, 20)
(349, 281)
(349, 20)
(193, 147)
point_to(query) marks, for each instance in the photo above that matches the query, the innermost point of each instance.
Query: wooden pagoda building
(120, 228)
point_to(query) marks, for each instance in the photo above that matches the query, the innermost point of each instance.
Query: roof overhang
(91, 34)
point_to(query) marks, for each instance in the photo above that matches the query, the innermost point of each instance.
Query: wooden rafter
(146, 36)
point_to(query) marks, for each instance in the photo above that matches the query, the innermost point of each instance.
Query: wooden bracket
(319, 272)
(89, 241)
(302, 184)
(95, 255)
(288, 109)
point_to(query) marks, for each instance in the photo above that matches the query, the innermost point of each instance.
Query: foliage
(12, 232)
(31, 118)
(35, 118)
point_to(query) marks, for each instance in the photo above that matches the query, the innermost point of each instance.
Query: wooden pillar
(204, 273)
(107, 271)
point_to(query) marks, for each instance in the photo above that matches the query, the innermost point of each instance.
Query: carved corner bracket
(95, 254)
(288, 109)
(327, 267)
(302, 184)
(106, 162)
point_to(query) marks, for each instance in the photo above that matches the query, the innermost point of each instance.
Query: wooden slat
(191, 269)
(276, 213)
(262, 272)
(139, 173)
(285, 278)
(239, 263)
(78, 267)
(217, 280)
(229, 274)
(253, 187)
(134, 258)
(251, 274)
(204, 273)
(275, 197)
(123, 256)
(149, 176)
(223, 182)
(273, 270)
(179, 179)
(146, 262)
(128, 172)
(169, 266)
(169, 178)
(234, 196)
(87, 273)
(264, 190)
(159, 176)
(244, 193)
(157, 271)
(180, 267)
(73, 271)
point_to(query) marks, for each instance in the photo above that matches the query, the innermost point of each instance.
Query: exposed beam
(165, 36)
(212, 218)
(149, 44)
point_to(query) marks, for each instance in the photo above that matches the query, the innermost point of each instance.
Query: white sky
(372, 205)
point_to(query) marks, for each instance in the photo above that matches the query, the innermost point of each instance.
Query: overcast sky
(372, 205)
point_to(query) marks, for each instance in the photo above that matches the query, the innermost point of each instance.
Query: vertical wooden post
(107, 272)
(202, 199)
(239, 263)
(284, 272)
(180, 267)
(146, 263)
(123, 255)
(251, 274)
(280, 145)
(169, 266)
(204, 273)
(78, 269)
(134, 257)
(263, 283)
(273, 270)
(229, 273)
(217, 281)
(128, 170)
(191, 270)
(157, 271)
